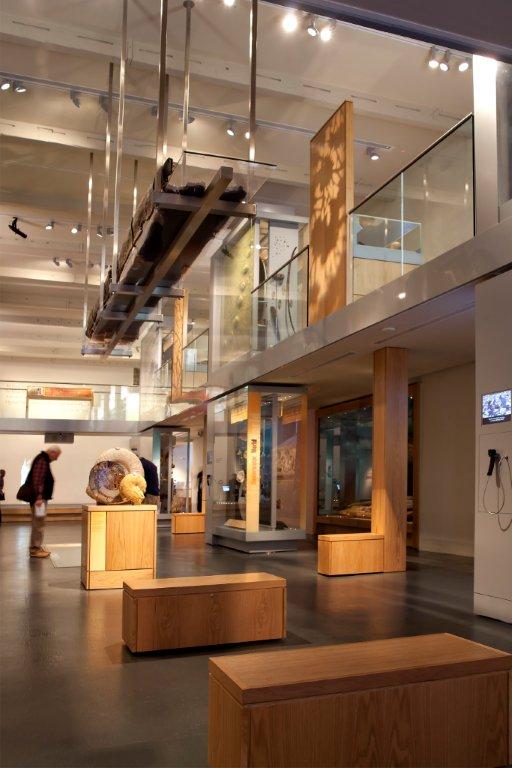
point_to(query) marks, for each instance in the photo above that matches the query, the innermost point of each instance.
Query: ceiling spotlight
(153, 111)
(444, 65)
(372, 153)
(5, 85)
(103, 102)
(247, 135)
(402, 295)
(99, 231)
(229, 3)
(56, 261)
(463, 65)
(69, 263)
(311, 28)
(230, 130)
(290, 22)
(190, 118)
(13, 226)
(76, 228)
(433, 59)
(20, 88)
(74, 96)
(326, 33)
(50, 226)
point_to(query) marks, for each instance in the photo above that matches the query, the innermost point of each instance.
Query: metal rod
(106, 183)
(88, 246)
(165, 141)
(135, 190)
(119, 147)
(253, 44)
(162, 96)
(188, 5)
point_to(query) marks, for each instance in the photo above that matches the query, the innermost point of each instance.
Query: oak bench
(163, 614)
(341, 554)
(429, 700)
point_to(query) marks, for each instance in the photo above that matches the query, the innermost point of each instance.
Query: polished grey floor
(73, 696)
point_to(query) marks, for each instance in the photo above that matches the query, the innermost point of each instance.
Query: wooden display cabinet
(118, 542)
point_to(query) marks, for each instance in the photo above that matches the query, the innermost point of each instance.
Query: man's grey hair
(55, 448)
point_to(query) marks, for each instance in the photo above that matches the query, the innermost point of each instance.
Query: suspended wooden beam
(119, 143)
(160, 291)
(175, 202)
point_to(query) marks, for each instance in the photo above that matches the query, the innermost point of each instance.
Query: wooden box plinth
(187, 522)
(429, 700)
(118, 542)
(342, 554)
(162, 614)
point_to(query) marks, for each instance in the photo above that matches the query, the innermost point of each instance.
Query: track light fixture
(311, 27)
(229, 3)
(444, 64)
(13, 226)
(153, 111)
(326, 33)
(372, 153)
(5, 85)
(230, 130)
(290, 22)
(433, 58)
(75, 98)
(69, 263)
(463, 65)
(19, 87)
(56, 261)
(99, 231)
(50, 226)
(76, 228)
(247, 135)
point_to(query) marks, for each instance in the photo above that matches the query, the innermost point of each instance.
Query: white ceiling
(56, 45)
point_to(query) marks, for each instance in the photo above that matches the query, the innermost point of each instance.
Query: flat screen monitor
(497, 407)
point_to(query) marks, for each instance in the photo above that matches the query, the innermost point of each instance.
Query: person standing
(2, 489)
(152, 482)
(40, 481)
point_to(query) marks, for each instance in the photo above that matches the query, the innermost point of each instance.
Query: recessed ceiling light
(290, 22)
(230, 130)
(229, 3)
(433, 59)
(402, 295)
(50, 225)
(5, 85)
(311, 28)
(326, 33)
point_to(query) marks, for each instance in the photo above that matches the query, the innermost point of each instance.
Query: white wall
(67, 372)
(71, 470)
(447, 450)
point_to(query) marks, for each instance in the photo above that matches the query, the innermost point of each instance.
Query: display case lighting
(290, 22)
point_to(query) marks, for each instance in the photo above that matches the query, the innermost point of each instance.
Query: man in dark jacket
(152, 481)
(40, 481)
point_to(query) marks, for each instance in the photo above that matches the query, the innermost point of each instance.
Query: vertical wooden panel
(389, 495)
(252, 510)
(228, 729)
(179, 340)
(331, 197)
(130, 540)
(97, 541)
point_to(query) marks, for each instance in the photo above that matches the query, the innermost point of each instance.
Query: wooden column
(252, 501)
(179, 342)
(389, 496)
(331, 198)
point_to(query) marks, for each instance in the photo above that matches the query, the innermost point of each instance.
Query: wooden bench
(187, 522)
(341, 554)
(430, 700)
(161, 614)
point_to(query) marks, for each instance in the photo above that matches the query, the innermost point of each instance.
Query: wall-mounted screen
(497, 407)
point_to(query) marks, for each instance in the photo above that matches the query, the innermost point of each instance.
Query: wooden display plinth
(430, 700)
(118, 542)
(161, 614)
(341, 554)
(187, 522)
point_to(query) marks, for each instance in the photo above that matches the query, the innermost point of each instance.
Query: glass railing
(47, 400)
(280, 303)
(422, 212)
(195, 363)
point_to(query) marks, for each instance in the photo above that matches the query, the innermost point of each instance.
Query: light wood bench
(187, 522)
(430, 700)
(162, 614)
(341, 554)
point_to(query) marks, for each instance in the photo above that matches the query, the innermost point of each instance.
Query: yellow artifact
(133, 488)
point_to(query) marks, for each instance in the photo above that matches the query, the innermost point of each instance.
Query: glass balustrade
(195, 363)
(280, 303)
(87, 402)
(424, 211)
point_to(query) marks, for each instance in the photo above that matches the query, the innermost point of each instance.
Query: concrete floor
(73, 696)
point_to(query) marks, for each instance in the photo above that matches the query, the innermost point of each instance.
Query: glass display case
(255, 468)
